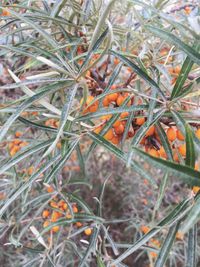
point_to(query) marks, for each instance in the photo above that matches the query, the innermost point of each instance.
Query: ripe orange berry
(145, 229)
(75, 209)
(182, 150)
(162, 152)
(115, 140)
(14, 150)
(119, 129)
(106, 101)
(55, 229)
(53, 204)
(88, 231)
(112, 97)
(171, 134)
(116, 61)
(196, 167)
(139, 121)
(150, 131)
(93, 108)
(46, 224)
(18, 134)
(154, 153)
(195, 189)
(179, 135)
(116, 124)
(179, 235)
(16, 142)
(5, 12)
(79, 224)
(97, 130)
(120, 100)
(109, 135)
(124, 115)
(177, 69)
(176, 157)
(45, 214)
(49, 189)
(197, 133)
(106, 117)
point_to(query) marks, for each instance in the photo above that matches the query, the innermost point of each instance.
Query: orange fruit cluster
(58, 209)
(15, 145)
(5, 13)
(88, 107)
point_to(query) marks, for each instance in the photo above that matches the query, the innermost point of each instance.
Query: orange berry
(112, 97)
(49, 189)
(58, 145)
(106, 101)
(153, 254)
(14, 150)
(46, 224)
(116, 61)
(55, 229)
(55, 216)
(145, 229)
(195, 189)
(116, 124)
(16, 142)
(197, 133)
(113, 87)
(53, 204)
(79, 224)
(18, 134)
(109, 135)
(162, 152)
(182, 150)
(150, 131)
(68, 216)
(120, 100)
(171, 134)
(88, 231)
(154, 153)
(115, 140)
(124, 115)
(139, 121)
(106, 117)
(177, 69)
(179, 235)
(5, 12)
(75, 209)
(196, 167)
(45, 214)
(179, 135)
(93, 108)
(97, 130)
(119, 129)
(176, 157)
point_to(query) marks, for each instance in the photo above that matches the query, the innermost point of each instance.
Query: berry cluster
(15, 145)
(58, 209)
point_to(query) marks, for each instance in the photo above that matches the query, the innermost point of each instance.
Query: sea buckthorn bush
(100, 133)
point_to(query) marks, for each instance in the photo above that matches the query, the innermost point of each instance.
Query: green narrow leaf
(192, 247)
(64, 116)
(166, 247)
(190, 152)
(140, 72)
(26, 185)
(193, 54)
(46, 90)
(185, 70)
(184, 173)
(164, 141)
